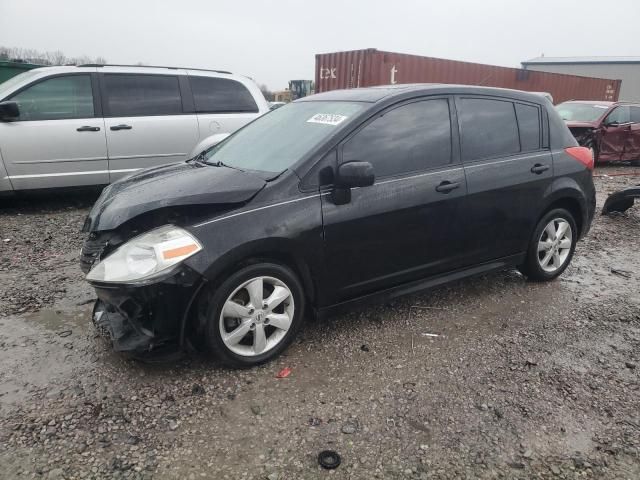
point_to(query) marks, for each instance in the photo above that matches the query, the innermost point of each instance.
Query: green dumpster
(10, 69)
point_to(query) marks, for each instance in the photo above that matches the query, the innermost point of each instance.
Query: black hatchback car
(337, 198)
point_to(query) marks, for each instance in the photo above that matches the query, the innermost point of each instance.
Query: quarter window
(139, 95)
(529, 127)
(220, 95)
(406, 139)
(488, 128)
(56, 99)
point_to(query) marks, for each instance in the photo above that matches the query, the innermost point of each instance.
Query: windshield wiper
(219, 163)
(198, 158)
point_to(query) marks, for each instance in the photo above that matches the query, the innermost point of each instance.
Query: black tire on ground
(531, 267)
(212, 336)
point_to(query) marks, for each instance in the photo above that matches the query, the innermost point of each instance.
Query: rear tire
(254, 314)
(551, 246)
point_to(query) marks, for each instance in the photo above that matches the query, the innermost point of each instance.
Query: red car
(610, 129)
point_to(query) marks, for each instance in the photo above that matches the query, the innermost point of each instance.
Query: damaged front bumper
(147, 317)
(621, 200)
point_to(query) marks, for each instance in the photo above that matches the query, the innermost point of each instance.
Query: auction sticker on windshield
(327, 118)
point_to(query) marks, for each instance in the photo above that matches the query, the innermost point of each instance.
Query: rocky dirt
(491, 377)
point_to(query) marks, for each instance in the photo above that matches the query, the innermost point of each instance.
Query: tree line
(57, 57)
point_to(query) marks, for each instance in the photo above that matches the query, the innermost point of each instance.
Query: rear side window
(488, 128)
(635, 114)
(57, 98)
(221, 95)
(409, 138)
(529, 126)
(139, 95)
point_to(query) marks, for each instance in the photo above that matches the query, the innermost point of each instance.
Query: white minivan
(90, 125)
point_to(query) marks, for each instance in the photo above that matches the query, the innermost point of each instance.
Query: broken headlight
(146, 255)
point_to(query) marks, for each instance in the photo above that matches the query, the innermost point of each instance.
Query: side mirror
(351, 175)
(9, 111)
(355, 174)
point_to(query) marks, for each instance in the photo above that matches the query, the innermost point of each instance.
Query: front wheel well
(572, 206)
(195, 321)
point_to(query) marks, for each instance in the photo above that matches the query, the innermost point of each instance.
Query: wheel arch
(571, 200)
(276, 250)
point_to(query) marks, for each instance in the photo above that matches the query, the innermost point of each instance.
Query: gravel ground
(522, 380)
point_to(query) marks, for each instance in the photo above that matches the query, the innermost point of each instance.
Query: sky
(276, 41)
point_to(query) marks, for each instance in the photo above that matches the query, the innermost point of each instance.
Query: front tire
(551, 246)
(254, 314)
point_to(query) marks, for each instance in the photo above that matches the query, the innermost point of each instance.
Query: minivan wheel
(551, 246)
(254, 314)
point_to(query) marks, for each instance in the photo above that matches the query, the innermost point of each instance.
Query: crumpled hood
(170, 185)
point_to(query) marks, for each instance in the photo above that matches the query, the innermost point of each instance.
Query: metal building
(626, 69)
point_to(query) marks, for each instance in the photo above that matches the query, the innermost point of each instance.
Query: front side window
(57, 98)
(128, 95)
(619, 115)
(413, 137)
(221, 95)
(488, 128)
(635, 114)
(529, 126)
(276, 141)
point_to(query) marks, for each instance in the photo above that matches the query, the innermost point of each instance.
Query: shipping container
(366, 68)
(10, 69)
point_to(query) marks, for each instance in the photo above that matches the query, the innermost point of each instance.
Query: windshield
(581, 112)
(277, 140)
(8, 85)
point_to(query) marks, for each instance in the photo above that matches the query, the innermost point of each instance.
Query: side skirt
(420, 285)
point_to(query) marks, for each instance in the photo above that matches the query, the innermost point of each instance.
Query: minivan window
(529, 126)
(619, 115)
(221, 95)
(277, 140)
(488, 128)
(56, 98)
(129, 95)
(406, 139)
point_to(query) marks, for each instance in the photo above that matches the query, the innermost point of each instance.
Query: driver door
(408, 225)
(615, 133)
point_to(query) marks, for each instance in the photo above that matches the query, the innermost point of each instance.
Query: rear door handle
(538, 168)
(446, 186)
(121, 127)
(87, 128)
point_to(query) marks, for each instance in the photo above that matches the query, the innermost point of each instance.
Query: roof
(376, 94)
(580, 60)
(592, 102)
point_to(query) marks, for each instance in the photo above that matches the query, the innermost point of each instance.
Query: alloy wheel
(554, 245)
(256, 317)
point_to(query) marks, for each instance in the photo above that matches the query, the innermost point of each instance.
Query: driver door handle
(121, 127)
(87, 128)
(446, 186)
(538, 168)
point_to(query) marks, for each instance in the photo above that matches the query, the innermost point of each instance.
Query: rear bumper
(143, 318)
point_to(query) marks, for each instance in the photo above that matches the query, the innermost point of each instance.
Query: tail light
(582, 154)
